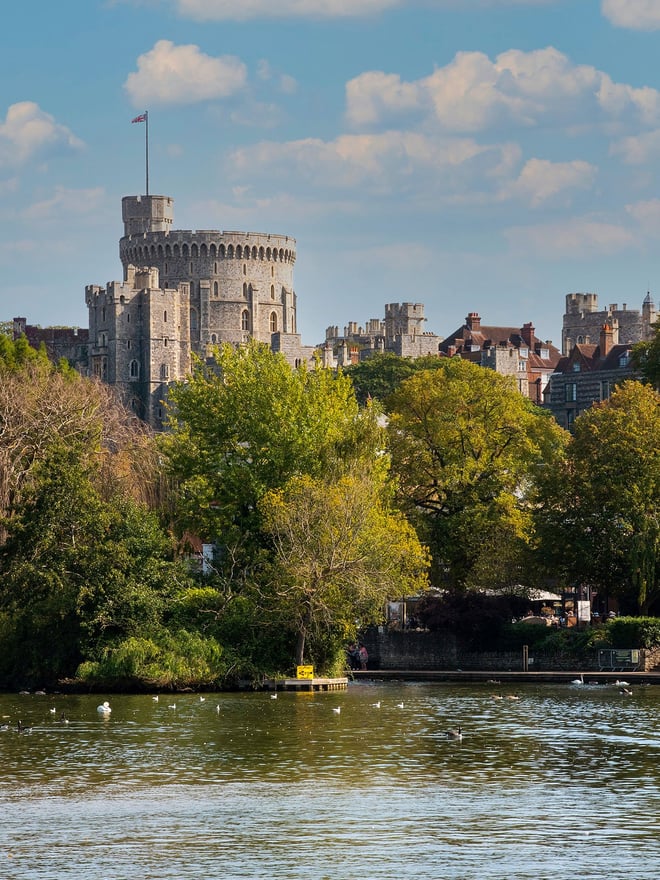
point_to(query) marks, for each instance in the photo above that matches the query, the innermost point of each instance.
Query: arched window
(245, 290)
(184, 251)
(193, 251)
(245, 320)
(214, 338)
(215, 288)
(273, 322)
(272, 291)
(134, 369)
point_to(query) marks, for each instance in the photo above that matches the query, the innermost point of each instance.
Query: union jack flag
(141, 118)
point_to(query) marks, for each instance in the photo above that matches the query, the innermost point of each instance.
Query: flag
(141, 118)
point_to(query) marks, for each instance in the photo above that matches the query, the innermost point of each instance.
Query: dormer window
(524, 352)
(576, 367)
(624, 360)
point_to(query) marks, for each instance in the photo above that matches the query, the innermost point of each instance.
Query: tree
(258, 449)
(341, 553)
(646, 358)
(599, 513)
(466, 447)
(248, 424)
(381, 374)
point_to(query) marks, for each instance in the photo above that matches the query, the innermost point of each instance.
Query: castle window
(245, 320)
(165, 317)
(128, 317)
(605, 389)
(272, 291)
(103, 313)
(193, 319)
(104, 340)
(191, 268)
(166, 270)
(273, 322)
(215, 268)
(245, 291)
(165, 371)
(230, 252)
(214, 338)
(244, 269)
(165, 341)
(215, 288)
(134, 369)
(272, 271)
(128, 344)
(193, 251)
(184, 251)
(239, 252)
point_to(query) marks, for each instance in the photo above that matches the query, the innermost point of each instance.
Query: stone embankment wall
(414, 650)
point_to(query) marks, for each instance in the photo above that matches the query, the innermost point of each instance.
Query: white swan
(336, 709)
(399, 705)
(621, 684)
(104, 708)
(579, 680)
(376, 705)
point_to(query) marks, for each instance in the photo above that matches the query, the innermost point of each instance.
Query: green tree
(599, 512)
(381, 374)
(467, 448)
(340, 553)
(248, 424)
(646, 358)
(242, 432)
(78, 572)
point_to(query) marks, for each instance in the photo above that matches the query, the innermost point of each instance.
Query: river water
(561, 783)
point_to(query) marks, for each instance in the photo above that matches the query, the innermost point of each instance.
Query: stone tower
(184, 292)
(583, 321)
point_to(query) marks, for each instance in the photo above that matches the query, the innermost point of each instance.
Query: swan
(376, 705)
(52, 711)
(202, 699)
(399, 705)
(273, 696)
(21, 728)
(104, 708)
(455, 734)
(172, 706)
(626, 691)
(336, 709)
(621, 684)
(579, 680)
(155, 699)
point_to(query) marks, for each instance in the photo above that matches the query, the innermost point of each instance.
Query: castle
(583, 321)
(184, 292)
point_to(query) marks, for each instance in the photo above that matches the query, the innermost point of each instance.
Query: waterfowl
(21, 728)
(155, 699)
(273, 696)
(399, 705)
(336, 709)
(455, 734)
(104, 708)
(63, 719)
(579, 680)
(621, 684)
(376, 705)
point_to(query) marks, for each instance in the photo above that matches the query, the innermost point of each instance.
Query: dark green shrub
(634, 632)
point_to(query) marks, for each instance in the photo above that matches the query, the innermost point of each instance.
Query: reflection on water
(561, 782)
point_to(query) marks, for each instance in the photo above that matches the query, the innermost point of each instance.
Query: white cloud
(381, 162)
(635, 14)
(220, 10)
(283, 81)
(575, 238)
(541, 180)
(65, 202)
(473, 93)
(647, 215)
(29, 132)
(638, 149)
(170, 74)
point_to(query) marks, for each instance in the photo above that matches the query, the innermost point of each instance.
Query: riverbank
(457, 675)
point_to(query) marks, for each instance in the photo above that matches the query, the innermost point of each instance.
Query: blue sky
(473, 155)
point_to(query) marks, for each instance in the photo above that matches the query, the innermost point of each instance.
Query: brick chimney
(473, 321)
(606, 340)
(527, 334)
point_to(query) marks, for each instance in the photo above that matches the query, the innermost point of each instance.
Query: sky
(484, 156)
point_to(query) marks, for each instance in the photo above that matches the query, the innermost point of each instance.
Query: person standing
(364, 657)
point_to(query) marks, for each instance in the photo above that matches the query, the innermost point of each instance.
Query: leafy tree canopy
(600, 511)
(467, 447)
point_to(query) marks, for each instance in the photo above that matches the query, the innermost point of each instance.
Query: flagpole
(146, 138)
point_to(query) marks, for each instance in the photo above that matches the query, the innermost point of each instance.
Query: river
(561, 783)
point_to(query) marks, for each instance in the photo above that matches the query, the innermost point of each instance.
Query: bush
(634, 632)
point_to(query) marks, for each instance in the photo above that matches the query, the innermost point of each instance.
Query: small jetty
(307, 684)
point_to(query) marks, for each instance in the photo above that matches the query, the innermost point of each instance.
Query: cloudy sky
(473, 155)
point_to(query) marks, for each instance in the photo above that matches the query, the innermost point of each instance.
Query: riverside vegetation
(319, 509)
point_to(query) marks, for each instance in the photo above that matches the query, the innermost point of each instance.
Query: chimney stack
(473, 321)
(606, 340)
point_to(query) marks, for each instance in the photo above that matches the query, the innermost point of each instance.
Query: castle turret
(147, 214)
